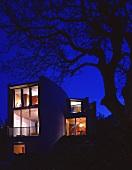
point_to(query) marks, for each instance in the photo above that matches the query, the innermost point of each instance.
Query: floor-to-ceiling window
(17, 101)
(16, 122)
(76, 126)
(70, 127)
(26, 97)
(25, 112)
(34, 92)
(26, 122)
(34, 121)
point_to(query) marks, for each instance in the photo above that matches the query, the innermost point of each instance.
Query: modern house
(39, 113)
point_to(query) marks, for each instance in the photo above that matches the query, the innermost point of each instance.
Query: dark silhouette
(69, 35)
(3, 140)
(78, 152)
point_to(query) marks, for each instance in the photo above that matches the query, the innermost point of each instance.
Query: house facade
(39, 113)
(80, 117)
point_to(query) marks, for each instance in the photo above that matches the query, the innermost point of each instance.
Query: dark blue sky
(88, 83)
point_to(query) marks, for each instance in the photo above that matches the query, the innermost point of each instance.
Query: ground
(71, 154)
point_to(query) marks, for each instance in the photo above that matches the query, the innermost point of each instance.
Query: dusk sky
(60, 61)
(88, 83)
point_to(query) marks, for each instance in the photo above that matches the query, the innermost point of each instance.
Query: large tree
(69, 35)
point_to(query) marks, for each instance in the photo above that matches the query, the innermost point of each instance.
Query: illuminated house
(40, 113)
(80, 117)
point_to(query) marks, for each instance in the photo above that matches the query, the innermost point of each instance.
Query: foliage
(69, 35)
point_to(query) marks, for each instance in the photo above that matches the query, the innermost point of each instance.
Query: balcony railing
(23, 131)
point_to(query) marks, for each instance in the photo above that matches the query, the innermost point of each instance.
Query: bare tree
(69, 35)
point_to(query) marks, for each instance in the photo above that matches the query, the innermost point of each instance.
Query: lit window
(18, 98)
(26, 122)
(34, 122)
(75, 106)
(81, 126)
(17, 118)
(19, 148)
(34, 95)
(26, 96)
(76, 126)
(70, 127)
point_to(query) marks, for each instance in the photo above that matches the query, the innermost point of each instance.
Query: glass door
(76, 126)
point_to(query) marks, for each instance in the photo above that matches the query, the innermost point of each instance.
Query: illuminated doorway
(76, 126)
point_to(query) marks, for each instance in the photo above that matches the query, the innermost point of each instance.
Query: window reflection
(34, 95)
(18, 98)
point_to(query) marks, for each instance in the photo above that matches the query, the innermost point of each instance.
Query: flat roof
(77, 99)
(23, 85)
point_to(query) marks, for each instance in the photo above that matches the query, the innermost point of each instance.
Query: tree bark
(110, 99)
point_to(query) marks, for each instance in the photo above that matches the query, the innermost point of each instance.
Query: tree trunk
(127, 94)
(110, 99)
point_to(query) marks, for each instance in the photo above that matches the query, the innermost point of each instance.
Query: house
(39, 113)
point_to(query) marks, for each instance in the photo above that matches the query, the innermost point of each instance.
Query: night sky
(88, 83)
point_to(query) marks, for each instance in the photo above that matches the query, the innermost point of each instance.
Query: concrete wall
(51, 111)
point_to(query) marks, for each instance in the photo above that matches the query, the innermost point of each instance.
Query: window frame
(35, 128)
(22, 99)
(76, 100)
(75, 124)
(29, 125)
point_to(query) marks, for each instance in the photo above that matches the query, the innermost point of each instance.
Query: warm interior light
(75, 103)
(19, 148)
(18, 103)
(80, 125)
